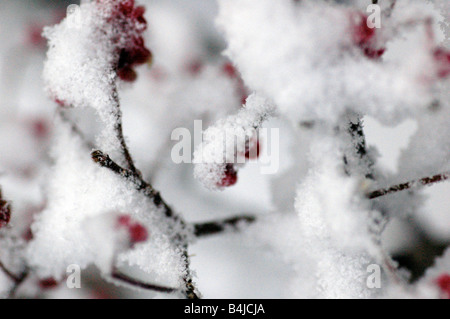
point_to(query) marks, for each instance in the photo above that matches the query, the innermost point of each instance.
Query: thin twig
(10, 274)
(119, 132)
(117, 275)
(408, 185)
(75, 129)
(215, 227)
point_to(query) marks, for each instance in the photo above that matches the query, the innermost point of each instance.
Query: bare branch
(117, 275)
(408, 185)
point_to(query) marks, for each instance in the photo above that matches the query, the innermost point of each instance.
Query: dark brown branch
(119, 133)
(11, 275)
(359, 151)
(117, 275)
(408, 185)
(215, 227)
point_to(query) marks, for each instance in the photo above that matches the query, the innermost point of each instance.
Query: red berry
(374, 53)
(443, 282)
(442, 58)
(230, 177)
(139, 15)
(362, 34)
(138, 233)
(365, 37)
(127, 74)
(48, 283)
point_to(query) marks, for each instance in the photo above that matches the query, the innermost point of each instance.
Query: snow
(77, 227)
(225, 142)
(313, 72)
(315, 234)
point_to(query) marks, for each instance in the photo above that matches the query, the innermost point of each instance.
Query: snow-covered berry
(129, 22)
(230, 177)
(137, 233)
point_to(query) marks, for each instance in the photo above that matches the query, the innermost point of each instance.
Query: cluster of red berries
(5, 212)
(136, 232)
(365, 37)
(252, 150)
(130, 23)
